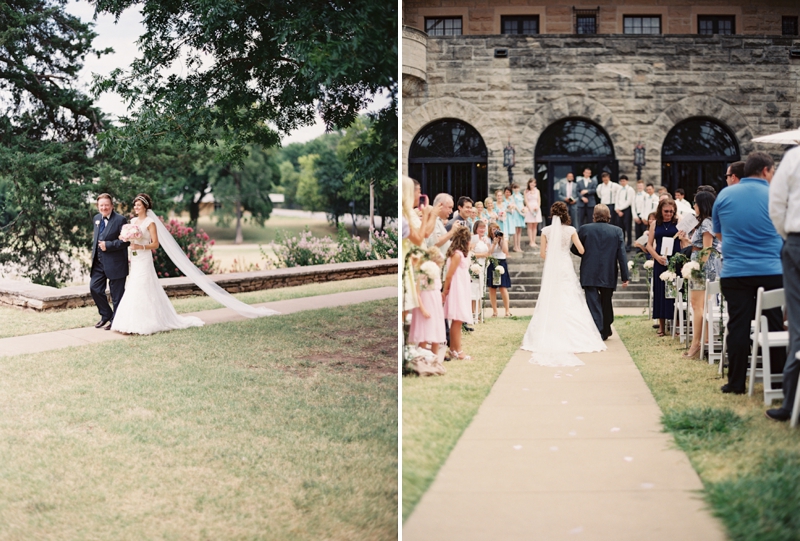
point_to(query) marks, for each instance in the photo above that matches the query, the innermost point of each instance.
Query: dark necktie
(102, 226)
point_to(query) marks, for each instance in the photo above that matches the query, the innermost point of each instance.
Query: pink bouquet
(130, 233)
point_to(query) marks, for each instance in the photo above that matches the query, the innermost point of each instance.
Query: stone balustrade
(40, 298)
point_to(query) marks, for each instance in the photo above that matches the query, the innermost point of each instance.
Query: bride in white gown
(145, 307)
(561, 324)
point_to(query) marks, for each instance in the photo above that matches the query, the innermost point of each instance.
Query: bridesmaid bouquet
(130, 233)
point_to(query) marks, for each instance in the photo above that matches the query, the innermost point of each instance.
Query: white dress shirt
(639, 205)
(683, 207)
(650, 205)
(784, 194)
(625, 198)
(607, 192)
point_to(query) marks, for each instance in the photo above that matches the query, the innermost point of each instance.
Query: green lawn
(437, 409)
(750, 466)
(16, 322)
(279, 428)
(255, 234)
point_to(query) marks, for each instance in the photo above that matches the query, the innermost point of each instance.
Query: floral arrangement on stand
(670, 275)
(633, 266)
(474, 267)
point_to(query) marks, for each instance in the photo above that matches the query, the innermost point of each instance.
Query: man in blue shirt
(752, 259)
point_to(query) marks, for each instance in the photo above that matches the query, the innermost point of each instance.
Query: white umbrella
(784, 138)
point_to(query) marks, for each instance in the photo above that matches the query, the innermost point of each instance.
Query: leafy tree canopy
(251, 70)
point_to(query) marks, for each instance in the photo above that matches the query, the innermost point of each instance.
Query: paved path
(36, 343)
(566, 453)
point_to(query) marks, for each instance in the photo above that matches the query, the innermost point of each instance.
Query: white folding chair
(679, 319)
(713, 312)
(796, 405)
(763, 338)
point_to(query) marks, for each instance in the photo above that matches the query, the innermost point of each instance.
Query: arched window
(449, 156)
(570, 146)
(697, 151)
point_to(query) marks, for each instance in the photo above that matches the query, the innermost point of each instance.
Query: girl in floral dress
(427, 321)
(457, 292)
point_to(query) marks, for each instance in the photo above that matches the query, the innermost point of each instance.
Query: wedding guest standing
(427, 320)
(607, 192)
(519, 216)
(479, 246)
(568, 193)
(456, 293)
(587, 188)
(533, 213)
(489, 213)
(623, 208)
(784, 209)
(683, 206)
(666, 225)
(702, 237)
(440, 238)
(752, 259)
(501, 208)
(499, 251)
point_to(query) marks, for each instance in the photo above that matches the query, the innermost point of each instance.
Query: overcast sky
(121, 36)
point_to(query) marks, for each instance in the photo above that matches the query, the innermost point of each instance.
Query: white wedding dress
(561, 324)
(145, 307)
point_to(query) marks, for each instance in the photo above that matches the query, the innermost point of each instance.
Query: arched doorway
(570, 146)
(449, 156)
(697, 151)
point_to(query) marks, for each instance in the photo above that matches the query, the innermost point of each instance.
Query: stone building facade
(564, 100)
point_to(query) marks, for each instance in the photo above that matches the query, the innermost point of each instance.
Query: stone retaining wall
(40, 298)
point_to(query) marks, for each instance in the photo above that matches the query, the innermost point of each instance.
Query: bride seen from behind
(561, 324)
(145, 307)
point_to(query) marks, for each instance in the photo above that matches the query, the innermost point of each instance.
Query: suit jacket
(604, 255)
(562, 192)
(592, 187)
(115, 258)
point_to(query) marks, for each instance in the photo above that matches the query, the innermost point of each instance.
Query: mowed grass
(750, 466)
(16, 322)
(253, 233)
(279, 428)
(437, 409)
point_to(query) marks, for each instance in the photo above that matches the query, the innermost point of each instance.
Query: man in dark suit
(568, 193)
(603, 259)
(587, 188)
(109, 260)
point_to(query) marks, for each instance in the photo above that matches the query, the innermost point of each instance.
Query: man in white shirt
(607, 192)
(784, 210)
(683, 205)
(622, 206)
(441, 236)
(650, 201)
(639, 216)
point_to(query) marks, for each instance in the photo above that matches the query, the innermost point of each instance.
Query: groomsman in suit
(109, 260)
(604, 258)
(587, 188)
(568, 193)
(625, 197)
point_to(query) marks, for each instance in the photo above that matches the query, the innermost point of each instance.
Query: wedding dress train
(145, 307)
(561, 324)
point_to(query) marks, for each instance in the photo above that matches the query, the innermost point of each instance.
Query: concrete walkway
(566, 453)
(36, 343)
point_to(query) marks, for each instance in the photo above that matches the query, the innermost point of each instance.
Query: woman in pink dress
(533, 214)
(457, 292)
(427, 321)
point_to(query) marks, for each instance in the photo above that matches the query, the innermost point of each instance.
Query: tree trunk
(371, 211)
(237, 179)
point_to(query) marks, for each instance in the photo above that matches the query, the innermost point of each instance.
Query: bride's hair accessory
(145, 199)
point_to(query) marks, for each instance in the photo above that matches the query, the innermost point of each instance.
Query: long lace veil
(175, 253)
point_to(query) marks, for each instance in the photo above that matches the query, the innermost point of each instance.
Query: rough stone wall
(637, 88)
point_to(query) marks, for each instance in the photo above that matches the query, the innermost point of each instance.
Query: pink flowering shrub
(195, 244)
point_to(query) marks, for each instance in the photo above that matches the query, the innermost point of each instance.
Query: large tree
(252, 70)
(46, 126)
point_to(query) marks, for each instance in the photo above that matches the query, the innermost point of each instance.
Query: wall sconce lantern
(639, 160)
